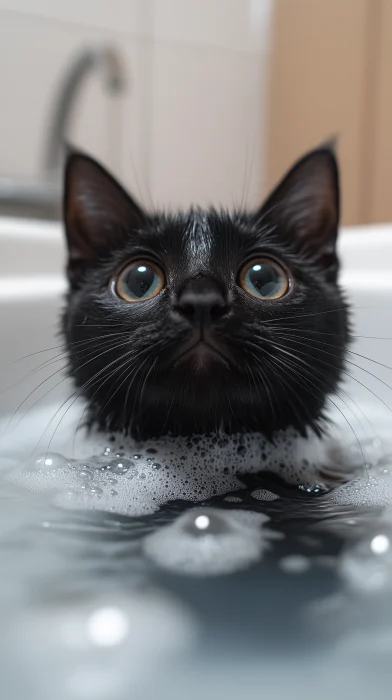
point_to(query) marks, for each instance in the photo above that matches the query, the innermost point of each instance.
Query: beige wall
(317, 87)
(331, 74)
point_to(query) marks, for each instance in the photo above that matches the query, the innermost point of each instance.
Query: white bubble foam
(136, 479)
(122, 476)
(210, 542)
(264, 495)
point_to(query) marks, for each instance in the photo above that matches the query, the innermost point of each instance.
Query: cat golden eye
(265, 279)
(139, 281)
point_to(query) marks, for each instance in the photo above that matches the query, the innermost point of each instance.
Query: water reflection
(107, 627)
(210, 542)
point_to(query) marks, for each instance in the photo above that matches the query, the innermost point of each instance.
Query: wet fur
(269, 382)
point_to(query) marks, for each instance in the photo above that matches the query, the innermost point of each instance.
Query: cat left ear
(97, 210)
(305, 204)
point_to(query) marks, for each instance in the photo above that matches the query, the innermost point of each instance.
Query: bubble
(120, 465)
(205, 523)
(47, 462)
(264, 495)
(95, 491)
(86, 474)
(380, 544)
(209, 542)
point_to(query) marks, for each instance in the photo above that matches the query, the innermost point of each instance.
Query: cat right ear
(97, 210)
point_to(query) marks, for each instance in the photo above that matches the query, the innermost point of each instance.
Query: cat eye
(139, 281)
(265, 279)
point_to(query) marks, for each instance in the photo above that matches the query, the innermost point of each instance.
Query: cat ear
(306, 204)
(97, 211)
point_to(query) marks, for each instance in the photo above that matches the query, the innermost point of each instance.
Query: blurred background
(204, 101)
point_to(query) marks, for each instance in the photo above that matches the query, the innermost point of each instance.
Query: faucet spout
(103, 58)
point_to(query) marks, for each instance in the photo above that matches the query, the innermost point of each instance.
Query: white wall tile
(127, 16)
(242, 25)
(234, 24)
(207, 132)
(191, 126)
(33, 55)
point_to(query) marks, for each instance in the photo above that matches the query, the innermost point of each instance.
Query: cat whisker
(129, 369)
(95, 356)
(301, 411)
(341, 390)
(266, 384)
(66, 345)
(78, 393)
(316, 313)
(331, 345)
(309, 372)
(317, 332)
(58, 358)
(321, 350)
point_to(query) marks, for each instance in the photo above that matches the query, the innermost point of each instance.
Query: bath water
(195, 567)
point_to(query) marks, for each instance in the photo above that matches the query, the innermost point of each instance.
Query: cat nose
(202, 302)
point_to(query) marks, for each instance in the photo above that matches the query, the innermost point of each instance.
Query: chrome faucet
(104, 58)
(40, 197)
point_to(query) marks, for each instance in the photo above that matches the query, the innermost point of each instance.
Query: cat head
(204, 321)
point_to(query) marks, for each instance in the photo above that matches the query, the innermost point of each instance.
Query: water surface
(205, 568)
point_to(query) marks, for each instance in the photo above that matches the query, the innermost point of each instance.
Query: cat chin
(202, 358)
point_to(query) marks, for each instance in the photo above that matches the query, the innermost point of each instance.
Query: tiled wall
(191, 126)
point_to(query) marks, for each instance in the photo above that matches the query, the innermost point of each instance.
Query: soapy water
(115, 533)
(115, 474)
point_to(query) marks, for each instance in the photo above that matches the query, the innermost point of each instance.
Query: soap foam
(116, 474)
(224, 541)
(135, 479)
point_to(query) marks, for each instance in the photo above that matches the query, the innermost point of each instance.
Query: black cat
(204, 321)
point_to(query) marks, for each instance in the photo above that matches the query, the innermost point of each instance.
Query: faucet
(104, 58)
(41, 197)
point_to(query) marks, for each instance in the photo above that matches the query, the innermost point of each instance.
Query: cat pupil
(139, 280)
(264, 278)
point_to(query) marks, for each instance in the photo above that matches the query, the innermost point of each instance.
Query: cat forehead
(203, 232)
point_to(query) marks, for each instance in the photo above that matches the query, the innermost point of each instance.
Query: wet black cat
(205, 320)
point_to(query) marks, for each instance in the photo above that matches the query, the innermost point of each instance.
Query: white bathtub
(31, 286)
